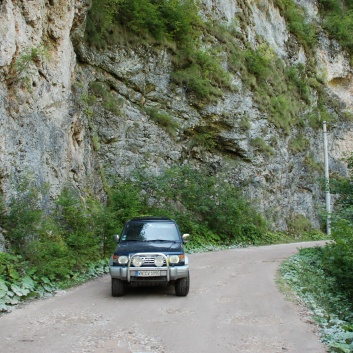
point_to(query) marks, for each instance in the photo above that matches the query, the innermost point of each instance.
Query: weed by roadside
(330, 307)
(18, 282)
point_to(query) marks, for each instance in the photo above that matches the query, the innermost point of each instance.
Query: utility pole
(327, 183)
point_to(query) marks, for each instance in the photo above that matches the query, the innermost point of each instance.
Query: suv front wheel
(117, 287)
(182, 286)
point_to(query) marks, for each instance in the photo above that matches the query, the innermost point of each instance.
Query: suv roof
(150, 218)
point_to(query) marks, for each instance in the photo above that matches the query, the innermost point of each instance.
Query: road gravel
(234, 305)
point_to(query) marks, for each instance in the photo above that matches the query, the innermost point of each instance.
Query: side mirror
(116, 237)
(186, 238)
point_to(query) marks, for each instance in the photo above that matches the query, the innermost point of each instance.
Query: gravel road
(234, 305)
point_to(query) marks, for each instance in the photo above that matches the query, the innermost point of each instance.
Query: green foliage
(201, 74)
(340, 26)
(299, 144)
(214, 211)
(314, 119)
(261, 146)
(25, 64)
(193, 80)
(244, 124)
(281, 113)
(258, 63)
(297, 76)
(204, 136)
(279, 91)
(163, 20)
(338, 259)
(19, 280)
(313, 164)
(163, 119)
(58, 241)
(125, 202)
(338, 21)
(298, 225)
(306, 32)
(172, 20)
(109, 102)
(70, 241)
(306, 274)
(26, 217)
(331, 5)
(95, 141)
(338, 256)
(100, 22)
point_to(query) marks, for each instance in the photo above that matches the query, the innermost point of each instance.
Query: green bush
(299, 144)
(306, 32)
(193, 198)
(258, 64)
(340, 26)
(297, 77)
(331, 308)
(55, 242)
(26, 216)
(331, 5)
(298, 225)
(161, 19)
(125, 201)
(339, 255)
(71, 240)
(261, 146)
(109, 102)
(163, 119)
(338, 259)
(201, 74)
(281, 113)
(205, 137)
(100, 22)
(313, 164)
(192, 78)
(338, 21)
(244, 124)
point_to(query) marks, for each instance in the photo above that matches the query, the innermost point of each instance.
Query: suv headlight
(159, 261)
(137, 261)
(123, 260)
(174, 259)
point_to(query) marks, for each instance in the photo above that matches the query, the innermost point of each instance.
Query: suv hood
(127, 247)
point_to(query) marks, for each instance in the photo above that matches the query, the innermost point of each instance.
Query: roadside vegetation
(56, 245)
(323, 277)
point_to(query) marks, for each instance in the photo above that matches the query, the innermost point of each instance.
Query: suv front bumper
(166, 273)
(126, 273)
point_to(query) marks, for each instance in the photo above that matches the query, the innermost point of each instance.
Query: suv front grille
(149, 261)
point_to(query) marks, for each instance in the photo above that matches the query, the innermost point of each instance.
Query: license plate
(148, 273)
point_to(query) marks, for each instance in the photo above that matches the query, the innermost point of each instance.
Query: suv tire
(182, 286)
(117, 287)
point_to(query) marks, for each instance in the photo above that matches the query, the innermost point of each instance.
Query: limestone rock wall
(41, 134)
(48, 130)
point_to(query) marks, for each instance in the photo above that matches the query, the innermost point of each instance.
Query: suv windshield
(149, 231)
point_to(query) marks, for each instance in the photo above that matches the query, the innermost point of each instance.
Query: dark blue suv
(150, 251)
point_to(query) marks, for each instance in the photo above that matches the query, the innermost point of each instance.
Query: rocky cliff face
(50, 130)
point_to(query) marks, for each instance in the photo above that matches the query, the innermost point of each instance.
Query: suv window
(149, 231)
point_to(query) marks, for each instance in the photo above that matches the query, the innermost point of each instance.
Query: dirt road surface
(234, 305)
